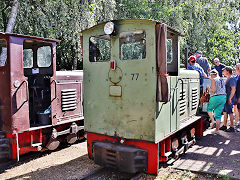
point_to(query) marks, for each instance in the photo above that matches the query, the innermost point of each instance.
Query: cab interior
(38, 68)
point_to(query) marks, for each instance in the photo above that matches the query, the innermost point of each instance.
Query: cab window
(99, 48)
(44, 56)
(27, 58)
(132, 45)
(169, 51)
(3, 52)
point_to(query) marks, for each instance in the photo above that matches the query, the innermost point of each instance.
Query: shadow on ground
(73, 169)
(215, 154)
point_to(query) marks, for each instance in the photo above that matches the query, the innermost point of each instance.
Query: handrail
(182, 88)
(27, 93)
(55, 82)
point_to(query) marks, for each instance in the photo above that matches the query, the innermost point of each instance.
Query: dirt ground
(73, 163)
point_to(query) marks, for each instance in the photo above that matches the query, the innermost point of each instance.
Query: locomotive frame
(141, 107)
(39, 106)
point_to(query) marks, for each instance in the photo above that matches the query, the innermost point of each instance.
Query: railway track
(8, 163)
(107, 173)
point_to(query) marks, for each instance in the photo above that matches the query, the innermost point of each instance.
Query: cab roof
(27, 36)
(173, 30)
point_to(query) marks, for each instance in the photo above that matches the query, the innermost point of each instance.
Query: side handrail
(180, 79)
(27, 93)
(55, 83)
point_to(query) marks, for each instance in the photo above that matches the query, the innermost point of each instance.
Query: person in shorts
(230, 86)
(217, 98)
(237, 72)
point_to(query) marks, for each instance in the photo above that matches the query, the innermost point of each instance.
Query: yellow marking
(141, 70)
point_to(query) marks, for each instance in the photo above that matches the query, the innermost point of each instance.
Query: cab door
(5, 99)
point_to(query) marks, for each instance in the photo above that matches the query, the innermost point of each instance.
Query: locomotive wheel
(72, 138)
(53, 144)
(184, 140)
(81, 135)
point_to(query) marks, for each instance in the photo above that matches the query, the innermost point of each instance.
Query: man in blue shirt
(203, 62)
(230, 91)
(219, 66)
(195, 66)
(238, 94)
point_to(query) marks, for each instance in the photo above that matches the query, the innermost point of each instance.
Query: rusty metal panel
(19, 94)
(5, 98)
(68, 99)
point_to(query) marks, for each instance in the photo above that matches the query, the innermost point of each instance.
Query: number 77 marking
(135, 76)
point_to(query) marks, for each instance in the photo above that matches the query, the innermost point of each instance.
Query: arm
(233, 90)
(204, 74)
(213, 86)
(209, 68)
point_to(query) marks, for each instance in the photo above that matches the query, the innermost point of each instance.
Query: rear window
(44, 56)
(3, 52)
(99, 48)
(132, 45)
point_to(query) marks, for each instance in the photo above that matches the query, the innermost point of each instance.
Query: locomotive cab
(38, 69)
(27, 80)
(137, 95)
(39, 107)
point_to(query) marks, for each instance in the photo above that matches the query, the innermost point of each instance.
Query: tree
(9, 27)
(210, 26)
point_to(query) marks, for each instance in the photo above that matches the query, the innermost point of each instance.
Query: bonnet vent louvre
(194, 98)
(182, 102)
(69, 99)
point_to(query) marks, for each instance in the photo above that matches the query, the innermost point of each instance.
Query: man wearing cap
(230, 91)
(196, 66)
(203, 62)
(218, 66)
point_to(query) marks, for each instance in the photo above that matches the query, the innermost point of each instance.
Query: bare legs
(210, 114)
(225, 116)
(238, 117)
(236, 113)
(218, 121)
(225, 119)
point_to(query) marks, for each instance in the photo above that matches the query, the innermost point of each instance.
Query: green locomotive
(140, 106)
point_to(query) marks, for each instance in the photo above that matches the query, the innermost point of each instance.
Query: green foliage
(210, 26)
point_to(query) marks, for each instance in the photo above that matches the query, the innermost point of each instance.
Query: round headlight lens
(109, 28)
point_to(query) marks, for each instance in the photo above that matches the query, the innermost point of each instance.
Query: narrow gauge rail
(106, 173)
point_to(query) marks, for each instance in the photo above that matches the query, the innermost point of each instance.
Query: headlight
(109, 28)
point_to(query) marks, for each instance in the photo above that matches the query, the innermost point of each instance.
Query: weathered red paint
(14, 103)
(14, 107)
(168, 144)
(199, 127)
(68, 80)
(150, 147)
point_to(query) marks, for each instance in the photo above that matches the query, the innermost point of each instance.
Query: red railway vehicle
(39, 106)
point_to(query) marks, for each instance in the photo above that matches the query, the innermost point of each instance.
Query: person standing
(217, 98)
(203, 62)
(238, 95)
(230, 91)
(218, 66)
(196, 66)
